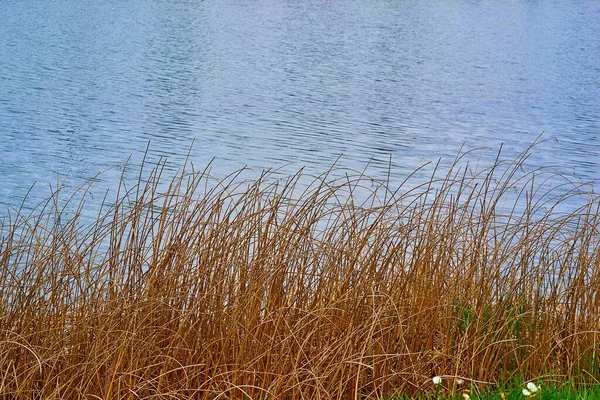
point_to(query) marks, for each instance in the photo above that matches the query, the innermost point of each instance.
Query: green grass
(513, 392)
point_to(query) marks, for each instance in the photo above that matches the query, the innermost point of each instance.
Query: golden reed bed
(283, 289)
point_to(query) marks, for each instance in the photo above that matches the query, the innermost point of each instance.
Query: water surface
(85, 84)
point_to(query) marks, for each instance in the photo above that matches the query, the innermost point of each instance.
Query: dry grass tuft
(271, 290)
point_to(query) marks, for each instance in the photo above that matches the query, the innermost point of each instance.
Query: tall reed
(337, 288)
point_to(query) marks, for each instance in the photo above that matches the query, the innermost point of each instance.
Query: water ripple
(85, 84)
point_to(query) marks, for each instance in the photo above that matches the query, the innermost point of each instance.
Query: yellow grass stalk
(300, 289)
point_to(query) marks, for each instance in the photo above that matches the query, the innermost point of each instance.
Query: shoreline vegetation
(269, 289)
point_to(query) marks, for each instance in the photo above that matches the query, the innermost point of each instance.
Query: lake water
(85, 84)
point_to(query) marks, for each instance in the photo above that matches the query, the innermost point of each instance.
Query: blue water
(268, 83)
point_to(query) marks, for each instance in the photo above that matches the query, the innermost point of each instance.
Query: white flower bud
(531, 387)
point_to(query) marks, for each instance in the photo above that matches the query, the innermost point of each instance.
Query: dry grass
(270, 289)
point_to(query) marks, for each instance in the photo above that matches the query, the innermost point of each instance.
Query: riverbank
(342, 288)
